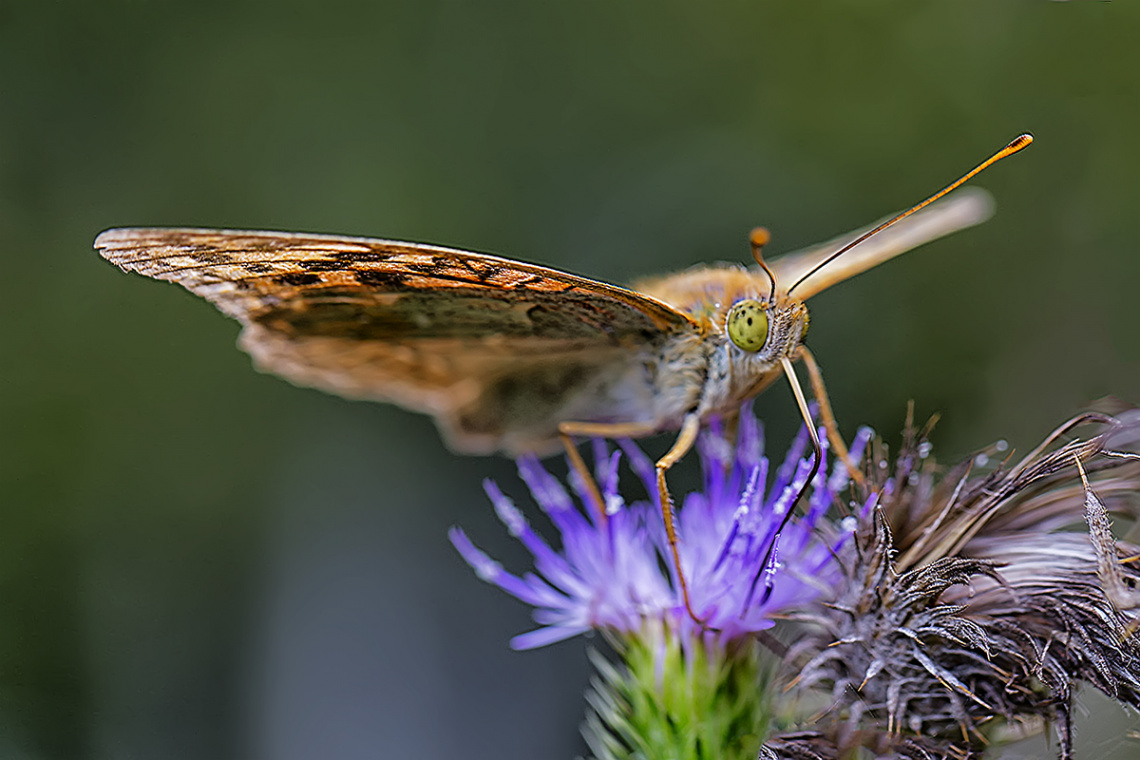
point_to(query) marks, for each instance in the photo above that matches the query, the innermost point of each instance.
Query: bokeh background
(198, 561)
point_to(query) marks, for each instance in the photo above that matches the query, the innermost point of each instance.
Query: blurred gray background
(198, 561)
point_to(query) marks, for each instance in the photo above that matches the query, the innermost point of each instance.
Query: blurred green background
(198, 561)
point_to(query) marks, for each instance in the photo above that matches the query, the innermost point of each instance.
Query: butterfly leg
(826, 416)
(685, 439)
(566, 431)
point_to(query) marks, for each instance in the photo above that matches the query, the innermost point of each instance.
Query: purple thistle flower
(609, 574)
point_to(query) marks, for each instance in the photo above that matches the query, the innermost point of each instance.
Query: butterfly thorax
(706, 293)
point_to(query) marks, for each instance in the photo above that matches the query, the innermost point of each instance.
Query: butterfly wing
(961, 209)
(498, 351)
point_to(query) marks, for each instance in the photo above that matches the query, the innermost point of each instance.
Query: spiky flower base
(674, 700)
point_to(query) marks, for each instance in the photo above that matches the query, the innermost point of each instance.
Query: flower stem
(674, 700)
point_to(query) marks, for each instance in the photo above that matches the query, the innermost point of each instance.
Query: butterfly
(520, 358)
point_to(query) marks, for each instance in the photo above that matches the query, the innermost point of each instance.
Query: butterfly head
(770, 329)
(772, 326)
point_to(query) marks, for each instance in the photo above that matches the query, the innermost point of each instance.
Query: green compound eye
(747, 324)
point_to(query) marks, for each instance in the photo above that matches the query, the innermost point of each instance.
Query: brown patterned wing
(497, 350)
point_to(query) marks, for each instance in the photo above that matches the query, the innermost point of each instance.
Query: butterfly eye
(747, 324)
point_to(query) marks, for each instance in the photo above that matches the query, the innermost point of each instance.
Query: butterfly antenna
(759, 238)
(1018, 143)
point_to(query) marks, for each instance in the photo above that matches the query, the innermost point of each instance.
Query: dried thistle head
(970, 605)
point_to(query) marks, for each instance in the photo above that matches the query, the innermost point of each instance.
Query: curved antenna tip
(1017, 143)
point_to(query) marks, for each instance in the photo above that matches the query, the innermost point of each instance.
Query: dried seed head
(965, 600)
